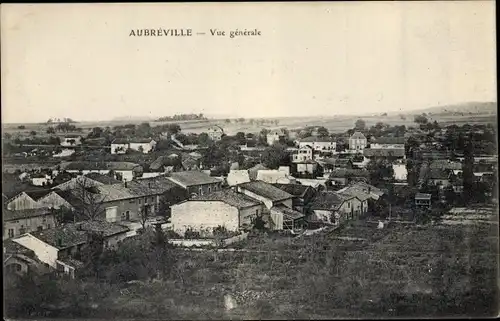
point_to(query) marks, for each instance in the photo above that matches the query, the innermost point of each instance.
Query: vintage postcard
(287, 160)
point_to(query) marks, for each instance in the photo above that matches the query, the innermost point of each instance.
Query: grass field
(399, 271)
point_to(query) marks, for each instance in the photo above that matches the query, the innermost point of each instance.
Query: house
(61, 247)
(305, 166)
(272, 197)
(374, 192)
(121, 145)
(226, 208)
(285, 218)
(71, 140)
(357, 142)
(19, 260)
(272, 176)
(64, 153)
(196, 182)
(190, 163)
(304, 153)
(388, 143)
(58, 199)
(385, 153)
(24, 221)
(423, 200)
(275, 136)
(73, 183)
(445, 164)
(319, 144)
(40, 179)
(360, 194)
(303, 195)
(335, 208)
(215, 132)
(126, 170)
(235, 177)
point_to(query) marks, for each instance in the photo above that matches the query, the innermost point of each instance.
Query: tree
(21, 127)
(33, 133)
(63, 215)
(360, 124)
(468, 171)
(227, 121)
(144, 215)
(240, 137)
(323, 132)
(421, 119)
(259, 223)
(275, 156)
(51, 130)
(90, 199)
(241, 120)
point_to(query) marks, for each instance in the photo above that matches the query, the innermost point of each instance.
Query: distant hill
(133, 118)
(465, 108)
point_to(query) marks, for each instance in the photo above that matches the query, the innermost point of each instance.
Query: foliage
(182, 117)
(275, 156)
(360, 125)
(420, 119)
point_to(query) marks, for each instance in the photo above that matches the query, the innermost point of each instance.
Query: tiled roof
(105, 179)
(347, 172)
(298, 190)
(358, 135)
(266, 190)
(328, 201)
(422, 196)
(312, 139)
(192, 178)
(132, 141)
(230, 197)
(150, 186)
(115, 192)
(389, 140)
(355, 192)
(9, 215)
(12, 247)
(288, 213)
(75, 234)
(383, 152)
(365, 187)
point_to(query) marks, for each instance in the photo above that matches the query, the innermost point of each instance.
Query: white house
(304, 153)
(223, 208)
(236, 177)
(215, 133)
(400, 172)
(357, 142)
(319, 144)
(275, 136)
(388, 143)
(41, 179)
(120, 146)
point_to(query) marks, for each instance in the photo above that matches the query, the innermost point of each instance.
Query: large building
(357, 142)
(120, 146)
(215, 133)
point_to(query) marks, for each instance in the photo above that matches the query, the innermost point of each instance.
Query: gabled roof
(384, 152)
(328, 201)
(362, 186)
(230, 197)
(150, 186)
(266, 190)
(445, 164)
(277, 132)
(114, 192)
(355, 192)
(12, 247)
(104, 179)
(9, 215)
(357, 135)
(297, 190)
(38, 194)
(192, 178)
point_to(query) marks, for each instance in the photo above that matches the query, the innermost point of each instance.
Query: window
(139, 200)
(348, 205)
(132, 201)
(48, 226)
(22, 230)
(11, 232)
(257, 212)
(200, 191)
(209, 189)
(152, 199)
(40, 228)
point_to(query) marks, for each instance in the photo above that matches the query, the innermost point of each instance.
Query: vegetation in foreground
(359, 271)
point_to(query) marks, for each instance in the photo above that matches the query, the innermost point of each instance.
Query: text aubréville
(160, 32)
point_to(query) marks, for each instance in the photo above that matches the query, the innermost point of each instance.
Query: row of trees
(182, 117)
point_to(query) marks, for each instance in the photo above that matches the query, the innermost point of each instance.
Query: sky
(79, 60)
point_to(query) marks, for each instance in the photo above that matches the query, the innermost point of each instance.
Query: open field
(398, 271)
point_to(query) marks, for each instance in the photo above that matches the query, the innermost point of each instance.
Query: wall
(54, 200)
(114, 240)
(236, 177)
(205, 189)
(45, 252)
(193, 242)
(30, 224)
(277, 220)
(400, 172)
(201, 215)
(14, 260)
(248, 214)
(387, 146)
(133, 206)
(322, 215)
(267, 202)
(40, 181)
(146, 147)
(116, 146)
(22, 202)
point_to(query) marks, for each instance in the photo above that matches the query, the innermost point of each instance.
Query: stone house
(24, 221)
(357, 142)
(335, 208)
(121, 145)
(196, 182)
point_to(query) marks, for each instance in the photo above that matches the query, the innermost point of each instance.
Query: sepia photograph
(250, 160)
